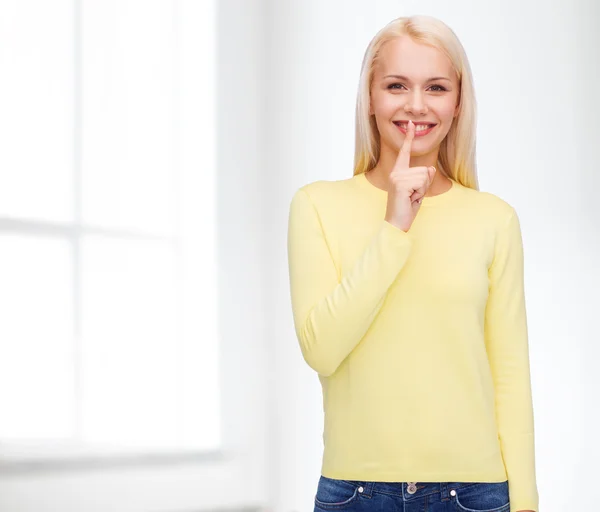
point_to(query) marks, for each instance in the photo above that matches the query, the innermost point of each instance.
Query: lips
(417, 133)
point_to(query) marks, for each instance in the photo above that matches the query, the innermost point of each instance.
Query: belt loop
(444, 491)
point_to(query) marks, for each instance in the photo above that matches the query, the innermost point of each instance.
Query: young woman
(408, 298)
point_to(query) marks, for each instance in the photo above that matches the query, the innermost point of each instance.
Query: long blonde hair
(456, 157)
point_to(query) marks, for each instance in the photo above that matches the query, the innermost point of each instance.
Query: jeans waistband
(419, 489)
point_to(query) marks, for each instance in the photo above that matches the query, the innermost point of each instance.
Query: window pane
(198, 226)
(128, 114)
(36, 101)
(36, 338)
(130, 342)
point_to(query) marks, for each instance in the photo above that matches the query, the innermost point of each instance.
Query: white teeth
(419, 127)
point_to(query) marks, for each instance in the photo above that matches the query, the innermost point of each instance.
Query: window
(108, 339)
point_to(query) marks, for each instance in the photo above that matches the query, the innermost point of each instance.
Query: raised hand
(406, 185)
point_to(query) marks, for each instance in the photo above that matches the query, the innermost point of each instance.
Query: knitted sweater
(419, 338)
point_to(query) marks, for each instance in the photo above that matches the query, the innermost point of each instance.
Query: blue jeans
(363, 496)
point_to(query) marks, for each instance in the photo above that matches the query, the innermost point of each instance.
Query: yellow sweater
(419, 338)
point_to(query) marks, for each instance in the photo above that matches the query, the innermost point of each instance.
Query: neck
(379, 175)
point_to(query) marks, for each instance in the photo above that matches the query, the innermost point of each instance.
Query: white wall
(287, 80)
(536, 75)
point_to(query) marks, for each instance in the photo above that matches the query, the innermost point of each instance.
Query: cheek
(447, 113)
(445, 109)
(384, 104)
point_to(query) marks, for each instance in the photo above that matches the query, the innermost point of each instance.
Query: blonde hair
(456, 157)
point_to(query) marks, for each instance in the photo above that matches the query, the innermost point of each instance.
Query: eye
(440, 87)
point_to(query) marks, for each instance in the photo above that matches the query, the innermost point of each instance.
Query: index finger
(404, 155)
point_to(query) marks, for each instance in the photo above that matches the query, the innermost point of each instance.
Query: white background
(287, 75)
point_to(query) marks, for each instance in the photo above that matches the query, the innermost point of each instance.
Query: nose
(415, 103)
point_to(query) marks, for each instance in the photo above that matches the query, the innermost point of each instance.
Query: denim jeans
(364, 496)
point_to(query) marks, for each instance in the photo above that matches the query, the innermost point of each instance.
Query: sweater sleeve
(331, 313)
(506, 341)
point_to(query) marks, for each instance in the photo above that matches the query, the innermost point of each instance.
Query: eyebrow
(401, 77)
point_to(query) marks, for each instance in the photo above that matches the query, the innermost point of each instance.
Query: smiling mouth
(420, 129)
(418, 126)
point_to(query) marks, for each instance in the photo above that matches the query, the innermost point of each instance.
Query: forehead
(403, 56)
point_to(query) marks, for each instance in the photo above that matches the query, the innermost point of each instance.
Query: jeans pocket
(483, 497)
(333, 494)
